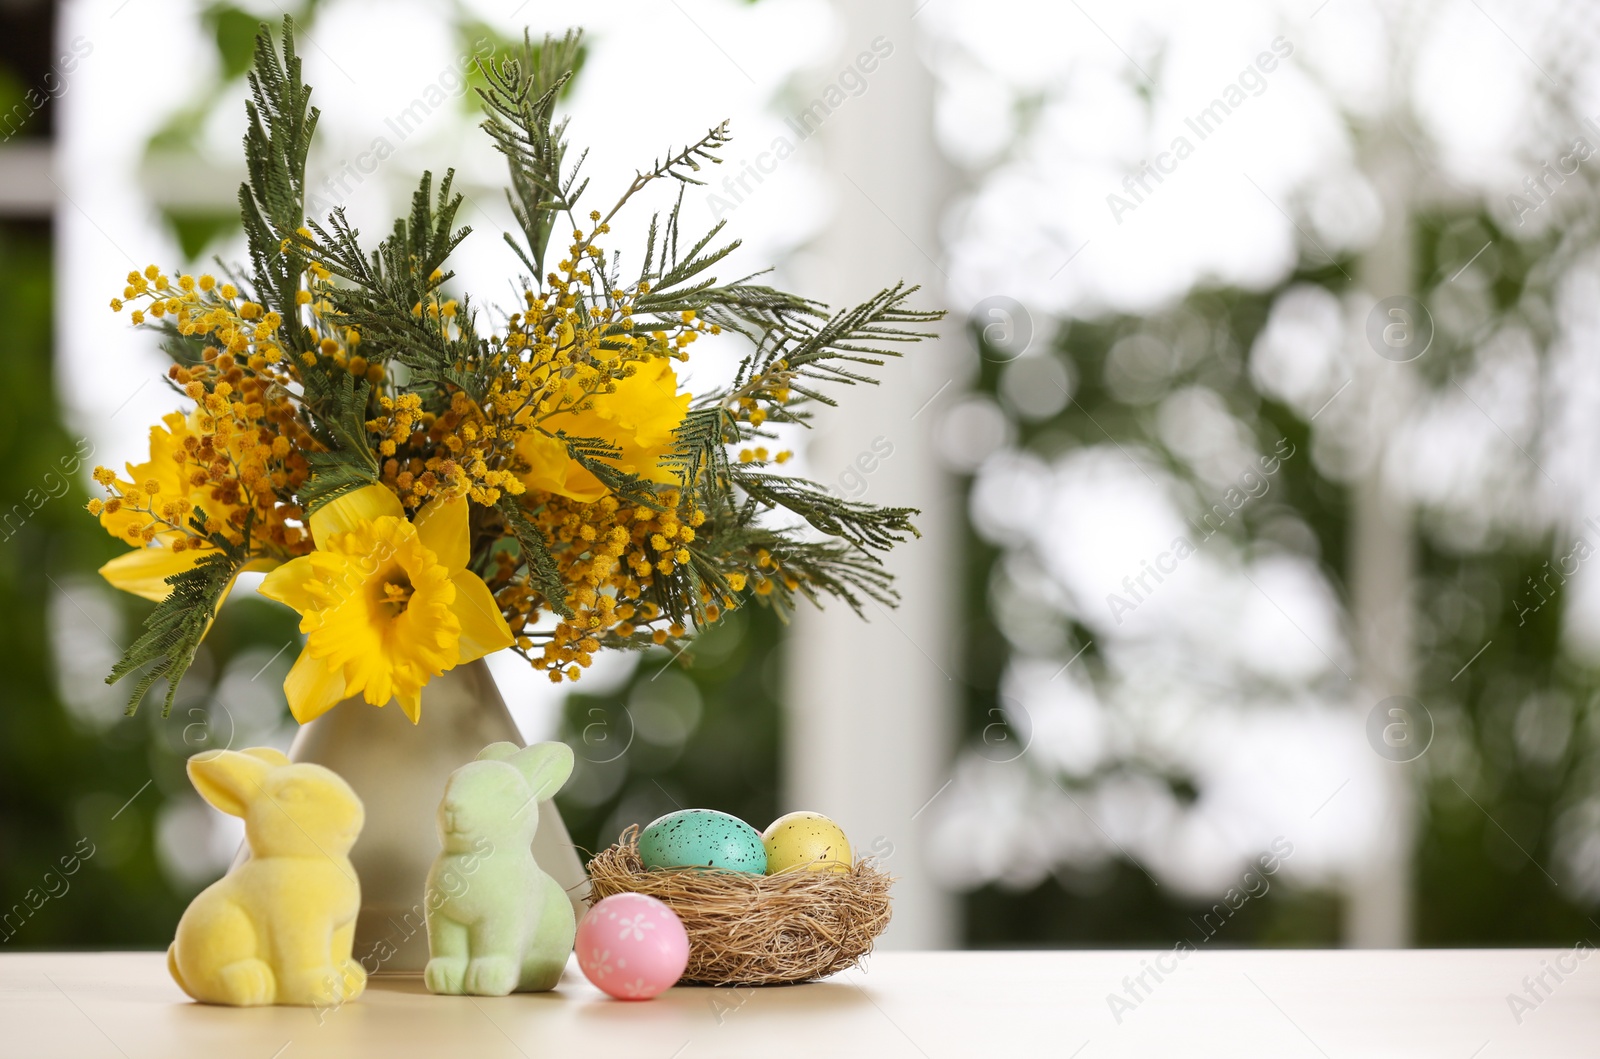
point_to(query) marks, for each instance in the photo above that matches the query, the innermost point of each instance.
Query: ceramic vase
(399, 771)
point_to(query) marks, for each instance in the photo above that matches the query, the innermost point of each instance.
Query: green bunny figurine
(497, 924)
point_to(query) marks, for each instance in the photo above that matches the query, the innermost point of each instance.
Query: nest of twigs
(749, 929)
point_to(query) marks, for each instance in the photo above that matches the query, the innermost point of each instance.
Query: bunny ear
(498, 751)
(232, 779)
(545, 766)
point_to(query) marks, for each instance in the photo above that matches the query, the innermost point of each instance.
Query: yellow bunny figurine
(277, 928)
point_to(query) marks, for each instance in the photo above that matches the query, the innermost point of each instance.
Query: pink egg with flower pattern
(632, 947)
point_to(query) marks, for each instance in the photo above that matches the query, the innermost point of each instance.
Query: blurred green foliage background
(1488, 814)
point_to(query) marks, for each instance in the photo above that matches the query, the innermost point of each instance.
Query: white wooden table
(1273, 1004)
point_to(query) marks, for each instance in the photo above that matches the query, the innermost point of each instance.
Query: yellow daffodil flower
(144, 572)
(386, 604)
(639, 418)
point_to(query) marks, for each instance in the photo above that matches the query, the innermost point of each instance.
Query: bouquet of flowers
(425, 488)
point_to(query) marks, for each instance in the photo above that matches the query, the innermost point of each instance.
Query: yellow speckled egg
(806, 842)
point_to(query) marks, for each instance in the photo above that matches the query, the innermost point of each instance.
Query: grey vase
(399, 771)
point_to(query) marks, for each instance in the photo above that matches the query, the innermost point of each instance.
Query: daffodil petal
(483, 630)
(287, 584)
(313, 687)
(366, 504)
(552, 469)
(442, 525)
(411, 702)
(580, 484)
(144, 572)
(648, 404)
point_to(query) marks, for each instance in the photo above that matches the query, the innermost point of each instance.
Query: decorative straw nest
(749, 929)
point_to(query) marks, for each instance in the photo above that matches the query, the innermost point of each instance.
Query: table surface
(1279, 1004)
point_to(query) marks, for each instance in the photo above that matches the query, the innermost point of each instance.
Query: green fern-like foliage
(347, 462)
(276, 143)
(521, 100)
(173, 631)
(401, 273)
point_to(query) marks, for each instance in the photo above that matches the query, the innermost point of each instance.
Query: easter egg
(806, 842)
(702, 838)
(632, 947)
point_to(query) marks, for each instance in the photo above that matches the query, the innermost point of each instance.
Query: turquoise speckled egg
(702, 838)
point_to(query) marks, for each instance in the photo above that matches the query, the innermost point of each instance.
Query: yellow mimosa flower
(386, 604)
(639, 418)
